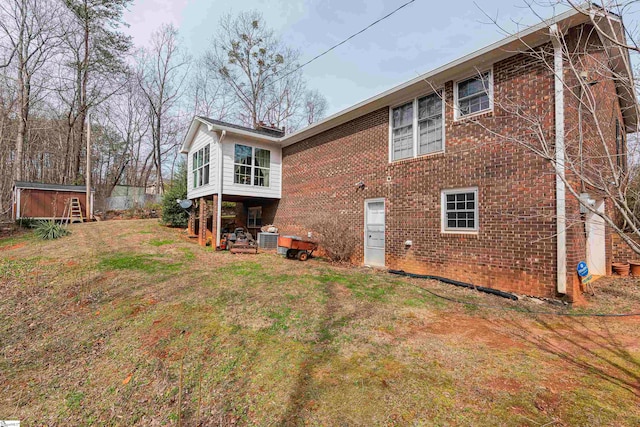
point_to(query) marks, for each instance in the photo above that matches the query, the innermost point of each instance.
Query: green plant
(49, 230)
(172, 214)
(27, 222)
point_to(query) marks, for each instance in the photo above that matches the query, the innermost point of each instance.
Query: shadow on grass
(595, 351)
(319, 353)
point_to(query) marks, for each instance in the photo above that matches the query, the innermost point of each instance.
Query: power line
(344, 41)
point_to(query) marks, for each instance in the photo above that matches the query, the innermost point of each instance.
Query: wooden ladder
(74, 211)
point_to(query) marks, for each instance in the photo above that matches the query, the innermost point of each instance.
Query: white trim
(456, 109)
(220, 181)
(443, 228)
(505, 48)
(364, 234)
(440, 92)
(193, 127)
(199, 169)
(561, 235)
(18, 191)
(253, 166)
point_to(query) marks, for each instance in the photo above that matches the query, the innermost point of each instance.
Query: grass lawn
(130, 323)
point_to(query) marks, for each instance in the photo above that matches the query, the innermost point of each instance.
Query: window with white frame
(460, 210)
(473, 95)
(252, 166)
(254, 217)
(417, 127)
(430, 134)
(200, 166)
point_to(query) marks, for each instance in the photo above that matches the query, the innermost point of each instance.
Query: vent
(268, 240)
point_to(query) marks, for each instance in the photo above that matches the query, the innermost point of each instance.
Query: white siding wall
(275, 180)
(203, 137)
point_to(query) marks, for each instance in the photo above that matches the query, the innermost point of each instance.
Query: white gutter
(561, 235)
(220, 178)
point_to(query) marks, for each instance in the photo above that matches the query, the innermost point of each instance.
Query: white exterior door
(374, 227)
(596, 258)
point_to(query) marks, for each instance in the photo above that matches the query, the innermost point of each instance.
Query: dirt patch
(457, 327)
(12, 247)
(150, 342)
(506, 384)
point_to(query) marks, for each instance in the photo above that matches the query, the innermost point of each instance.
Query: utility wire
(343, 41)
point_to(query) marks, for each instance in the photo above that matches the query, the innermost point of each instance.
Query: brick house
(424, 173)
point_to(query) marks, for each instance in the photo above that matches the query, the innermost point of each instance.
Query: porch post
(202, 232)
(191, 223)
(215, 221)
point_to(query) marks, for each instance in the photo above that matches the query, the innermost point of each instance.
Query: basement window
(252, 166)
(473, 95)
(200, 166)
(460, 210)
(417, 127)
(254, 217)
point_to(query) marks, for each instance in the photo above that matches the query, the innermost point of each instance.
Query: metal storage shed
(46, 201)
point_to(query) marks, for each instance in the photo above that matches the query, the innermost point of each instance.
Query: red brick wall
(587, 155)
(514, 248)
(621, 252)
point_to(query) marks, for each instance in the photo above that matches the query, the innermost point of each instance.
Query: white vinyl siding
(203, 137)
(254, 169)
(460, 210)
(417, 127)
(474, 95)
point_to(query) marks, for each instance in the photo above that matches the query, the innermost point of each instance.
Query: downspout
(220, 178)
(561, 226)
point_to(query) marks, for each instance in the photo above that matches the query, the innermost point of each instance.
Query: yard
(128, 322)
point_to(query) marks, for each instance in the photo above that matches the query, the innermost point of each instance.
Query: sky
(416, 39)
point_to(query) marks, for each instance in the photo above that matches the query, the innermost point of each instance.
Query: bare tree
(31, 31)
(259, 70)
(97, 48)
(315, 106)
(596, 158)
(162, 79)
(210, 97)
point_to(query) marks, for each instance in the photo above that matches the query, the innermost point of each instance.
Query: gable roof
(213, 125)
(481, 59)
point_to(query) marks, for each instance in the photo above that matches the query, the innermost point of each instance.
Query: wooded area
(65, 63)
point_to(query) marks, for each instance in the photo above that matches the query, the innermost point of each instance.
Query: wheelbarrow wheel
(291, 253)
(303, 255)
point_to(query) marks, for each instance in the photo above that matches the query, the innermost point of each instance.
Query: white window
(252, 166)
(473, 95)
(200, 166)
(430, 128)
(402, 132)
(254, 217)
(417, 127)
(460, 210)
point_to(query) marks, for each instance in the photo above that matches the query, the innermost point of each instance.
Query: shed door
(374, 232)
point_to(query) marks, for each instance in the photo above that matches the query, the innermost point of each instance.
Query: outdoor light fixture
(360, 185)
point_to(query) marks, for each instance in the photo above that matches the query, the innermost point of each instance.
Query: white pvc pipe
(561, 226)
